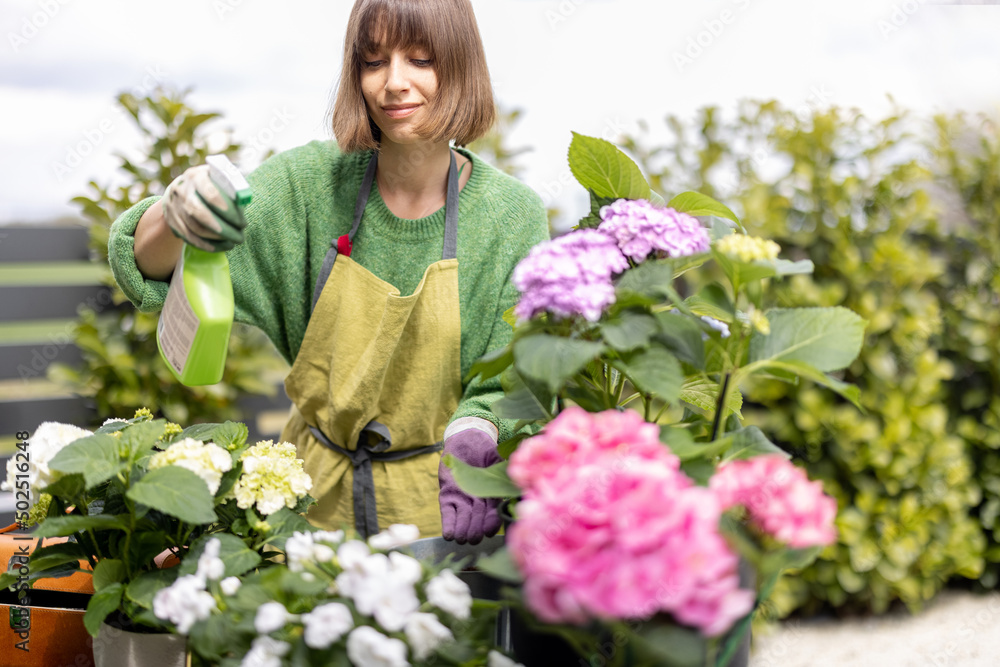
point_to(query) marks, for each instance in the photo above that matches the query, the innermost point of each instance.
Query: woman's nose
(397, 79)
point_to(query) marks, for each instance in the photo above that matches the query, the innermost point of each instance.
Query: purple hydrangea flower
(642, 229)
(569, 275)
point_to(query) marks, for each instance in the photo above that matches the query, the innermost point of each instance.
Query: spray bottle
(197, 317)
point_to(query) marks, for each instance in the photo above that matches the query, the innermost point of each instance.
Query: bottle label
(178, 322)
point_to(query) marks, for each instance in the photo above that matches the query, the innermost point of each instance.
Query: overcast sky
(593, 66)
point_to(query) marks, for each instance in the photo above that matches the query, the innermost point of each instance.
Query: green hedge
(902, 218)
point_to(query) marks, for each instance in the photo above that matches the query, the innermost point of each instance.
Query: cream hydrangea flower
(47, 441)
(272, 478)
(204, 459)
(747, 248)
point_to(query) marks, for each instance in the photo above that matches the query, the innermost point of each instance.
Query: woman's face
(398, 86)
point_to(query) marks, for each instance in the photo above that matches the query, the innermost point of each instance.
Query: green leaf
(662, 643)
(143, 588)
(651, 279)
(682, 444)
(509, 317)
(108, 571)
(491, 482)
(703, 393)
(712, 300)
(54, 555)
(499, 564)
(629, 331)
(845, 389)
(492, 363)
(224, 435)
(101, 604)
(62, 526)
(748, 443)
(528, 401)
(95, 457)
(784, 267)
(655, 371)
(235, 555)
(682, 336)
(553, 359)
(509, 446)
(146, 545)
(285, 523)
(139, 438)
(68, 487)
(605, 170)
(695, 203)
(175, 491)
(826, 338)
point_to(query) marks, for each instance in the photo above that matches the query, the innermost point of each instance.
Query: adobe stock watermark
(93, 136)
(34, 23)
(712, 30)
(984, 620)
(224, 7)
(259, 142)
(561, 14)
(552, 189)
(898, 16)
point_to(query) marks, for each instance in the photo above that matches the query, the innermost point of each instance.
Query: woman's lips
(400, 111)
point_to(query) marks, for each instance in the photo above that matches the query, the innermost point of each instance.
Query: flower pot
(115, 647)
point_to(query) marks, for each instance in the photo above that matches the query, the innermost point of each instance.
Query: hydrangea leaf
(849, 391)
(175, 491)
(605, 170)
(629, 331)
(492, 363)
(491, 482)
(95, 457)
(501, 565)
(102, 603)
(224, 435)
(553, 359)
(827, 339)
(62, 526)
(695, 203)
(143, 588)
(748, 443)
(703, 393)
(234, 554)
(682, 337)
(108, 571)
(655, 371)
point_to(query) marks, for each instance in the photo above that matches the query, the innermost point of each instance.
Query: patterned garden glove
(465, 518)
(201, 214)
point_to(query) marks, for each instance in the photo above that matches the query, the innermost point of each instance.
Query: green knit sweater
(303, 198)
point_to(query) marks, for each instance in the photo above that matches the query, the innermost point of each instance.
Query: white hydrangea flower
(451, 594)
(718, 325)
(497, 659)
(270, 616)
(230, 585)
(184, 602)
(381, 591)
(49, 438)
(113, 420)
(272, 478)
(205, 459)
(425, 633)
(326, 624)
(367, 647)
(210, 566)
(394, 536)
(405, 568)
(304, 547)
(265, 652)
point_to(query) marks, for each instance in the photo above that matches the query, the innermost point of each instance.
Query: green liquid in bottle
(193, 331)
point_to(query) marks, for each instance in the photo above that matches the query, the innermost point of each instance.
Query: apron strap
(343, 244)
(365, 507)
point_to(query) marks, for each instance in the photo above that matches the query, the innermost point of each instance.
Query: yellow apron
(375, 382)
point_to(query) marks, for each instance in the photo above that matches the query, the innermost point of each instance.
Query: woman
(380, 268)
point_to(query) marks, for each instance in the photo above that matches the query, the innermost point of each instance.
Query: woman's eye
(372, 64)
(423, 63)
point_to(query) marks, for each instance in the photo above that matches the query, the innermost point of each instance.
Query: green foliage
(122, 370)
(852, 195)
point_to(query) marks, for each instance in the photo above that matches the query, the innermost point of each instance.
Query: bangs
(392, 24)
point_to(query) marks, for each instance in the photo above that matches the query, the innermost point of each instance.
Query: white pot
(114, 647)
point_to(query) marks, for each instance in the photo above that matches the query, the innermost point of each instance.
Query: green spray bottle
(197, 317)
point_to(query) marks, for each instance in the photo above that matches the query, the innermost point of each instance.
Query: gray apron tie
(375, 446)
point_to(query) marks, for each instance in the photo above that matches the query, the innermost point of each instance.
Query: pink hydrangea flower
(780, 499)
(576, 437)
(569, 275)
(642, 229)
(610, 527)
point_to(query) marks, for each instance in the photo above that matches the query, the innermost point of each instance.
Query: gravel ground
(956, 629)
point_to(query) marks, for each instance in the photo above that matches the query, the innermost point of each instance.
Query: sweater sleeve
(480, 394)
(145, 294)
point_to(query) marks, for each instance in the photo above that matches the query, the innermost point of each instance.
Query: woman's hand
(198, 212)
(466, 518)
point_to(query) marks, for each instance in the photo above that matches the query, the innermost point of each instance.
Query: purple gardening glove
(466, 518)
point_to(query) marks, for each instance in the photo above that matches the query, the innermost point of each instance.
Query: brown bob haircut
(463, 108)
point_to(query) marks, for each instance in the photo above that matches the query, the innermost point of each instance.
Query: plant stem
(647, 402)
(720, 407)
